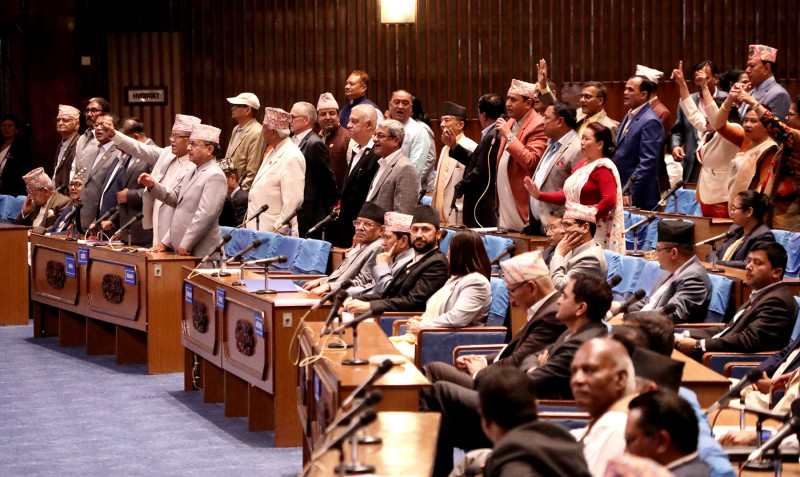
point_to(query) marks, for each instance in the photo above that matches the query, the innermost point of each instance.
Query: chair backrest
(12, 206)
(613, 260)
(720, 298)
(494, 247)
(648, 276)
(283, 245)
(647, 234)
(444, 244)
(3, 200)
(630, 270)
(687, 203)
(796, 329)
(500, 303)
(241, 238)
(312, 258)
(791, 242)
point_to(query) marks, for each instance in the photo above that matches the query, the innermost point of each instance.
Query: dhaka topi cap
(276, 118)
(36, 179)
(226, 164)
(650, 73)
(453, 109)
(576, 211)
(205, 132)
(676, 231)
(524, 267)
(372, 211)
(397, 222)
(522, 88)
(425, 214)
(327, 101)
(80, 174)
(246, 99)
(69, 111)
(763, 53)
(184, 122)
(663, 370)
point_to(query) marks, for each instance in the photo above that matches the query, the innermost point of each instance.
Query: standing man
(560, 158)
(98, 168)
(355, 89)
(320, 188)
(395, 187)
(169, 165)
(197, 198)
(280, 180)
(246, 142)
(335, 136)
(449, 171)
(361, 170)
(417, 144)
(761, 65)
(67, 123)
(593, 101)
(522, 142)
(86, 147)
(480, 180)
(639, 142)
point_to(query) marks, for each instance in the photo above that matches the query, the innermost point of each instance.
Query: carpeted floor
(63, 413)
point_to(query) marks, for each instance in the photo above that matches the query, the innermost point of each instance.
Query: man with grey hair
(395, 187)
(280, 180)
(320, 184)
(43, 204)
(246, 142)
(417, 145)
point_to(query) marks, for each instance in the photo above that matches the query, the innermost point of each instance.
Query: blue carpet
(68, 414)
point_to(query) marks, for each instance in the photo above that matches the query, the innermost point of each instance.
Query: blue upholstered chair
(791, 242)
(283, 245)
(647, 234)
(241, 238)
(312, 258)
(687, 203)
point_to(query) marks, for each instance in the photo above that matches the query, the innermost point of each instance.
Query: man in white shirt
(417, 144)
(449, 171)
(67, 123)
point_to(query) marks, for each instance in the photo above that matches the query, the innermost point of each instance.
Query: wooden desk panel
(707, 384)
(524, 243)
(408, 448)
(14, 279)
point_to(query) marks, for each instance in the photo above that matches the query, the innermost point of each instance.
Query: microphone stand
(636, 252)
(222, 272)
(240, 281)
(341, 344)
(763, 462)
(355, 467)
(265, 290)
(714, 268)
(355, 360)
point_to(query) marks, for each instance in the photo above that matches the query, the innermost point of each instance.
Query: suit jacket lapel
(240, 138)
(367, 154)
(383, 179)
(100, 163)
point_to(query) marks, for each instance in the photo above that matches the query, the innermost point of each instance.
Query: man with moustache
(417, 145)
(246, 142)
(86, 147)
(67, 123)
(335, 136)
(396, 254)
(450, 172)
(97, 169)
(593, 100)
(355, 89)
(395, 186)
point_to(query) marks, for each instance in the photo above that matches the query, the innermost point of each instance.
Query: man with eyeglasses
(360, 260)
(170, 163)
(197, 198)
(577, 251)
(75, 187)
(319, 195)
(246, 141)
(97, 168)
(87, 146)
(427, 271)
(593, 98)
(67, 123)
(395, 186)
(43, 204)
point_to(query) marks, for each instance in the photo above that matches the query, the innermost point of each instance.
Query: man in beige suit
(280, 181)
(593, 98)
(449, 171)
(246, 142)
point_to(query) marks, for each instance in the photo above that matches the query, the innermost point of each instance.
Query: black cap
(663, 370)
(425, 214)
(453, 109)
(676, 231)
(373, 212)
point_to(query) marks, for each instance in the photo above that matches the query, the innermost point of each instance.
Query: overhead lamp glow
(398, 11)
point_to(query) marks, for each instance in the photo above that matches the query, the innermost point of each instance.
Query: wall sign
(145, 95)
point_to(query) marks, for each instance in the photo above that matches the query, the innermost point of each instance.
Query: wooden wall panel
(293, 50)
(146, 59)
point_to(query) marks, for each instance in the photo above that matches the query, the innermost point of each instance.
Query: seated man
(554, 234)
(581, 308)
(234, 210)
(523, 444)
(662, 426)
(75, 187)
(424, 275)
(603, 383)
(397, 252)
(764, 322)
(529, 286)
(43, 204)
(577, 251)
(685, 282)
(357, 266)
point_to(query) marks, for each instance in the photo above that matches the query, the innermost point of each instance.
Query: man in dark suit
(234, 211)
(479, 182)
(639, 142)
(97, 169)
(319, 195)
(528, 281)
(764, 322)
(361, 169)
(122, 190)
(424, 275)
(67, 123)
(685, 282)
(581, 308)
(683, 136)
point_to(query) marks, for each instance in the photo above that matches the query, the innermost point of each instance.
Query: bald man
(603, 384)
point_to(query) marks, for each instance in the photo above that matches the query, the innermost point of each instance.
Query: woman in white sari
(595, 182)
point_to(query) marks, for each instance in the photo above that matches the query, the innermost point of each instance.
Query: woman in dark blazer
(15, 158)
(747, 211)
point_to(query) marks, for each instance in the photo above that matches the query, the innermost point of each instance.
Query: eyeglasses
(661, 249)
(76, 184)
(64, 120)
(178, 136)
(365, 223)
(92, 110)
(733, 207)
(380, 136)
(587, 96)
(517, 287)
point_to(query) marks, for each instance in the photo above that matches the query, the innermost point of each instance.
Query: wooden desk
(119, 303)
(261, 382)
(325, 383)
(408, 448)
(14, 279)
(707, 384)
(524, 243)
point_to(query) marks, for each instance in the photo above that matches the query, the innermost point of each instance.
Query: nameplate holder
(220, 299)
(188, 293)
(69, 264)
(259, 324)
(83, 256)
(130, 275)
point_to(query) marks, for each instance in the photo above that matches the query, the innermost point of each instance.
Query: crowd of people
(540, 166)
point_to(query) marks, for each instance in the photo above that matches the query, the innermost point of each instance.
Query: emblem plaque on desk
(112, 287)
(200, 316)
(245, 342)
(56, 276)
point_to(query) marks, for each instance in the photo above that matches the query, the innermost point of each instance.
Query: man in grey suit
(593, 99)
(86, 147)
(396, 254)
(395, 186)
(562, 154)
(97, 169)
(685, 282)
(197, 198)
(577, 251)
(361, 258)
